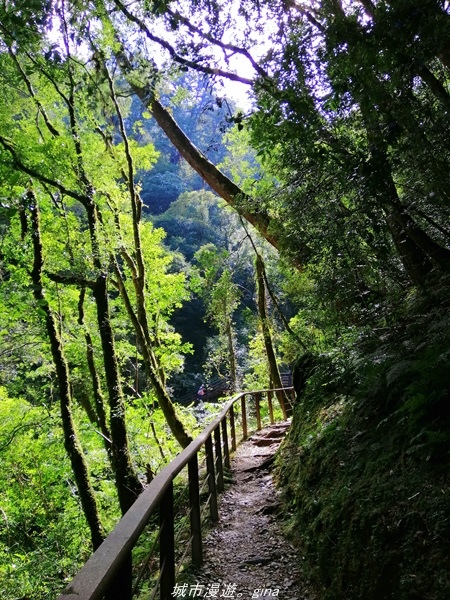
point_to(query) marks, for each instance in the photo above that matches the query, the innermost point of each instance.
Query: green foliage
(196, 219)
(64, 148)
(242, 165)
(347, 152)
(43, 536)
(257, 375)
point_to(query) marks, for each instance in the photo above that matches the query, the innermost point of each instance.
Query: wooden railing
(152, 520)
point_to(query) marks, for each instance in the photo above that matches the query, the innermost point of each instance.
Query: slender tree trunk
(71, 443)
(272, 295)
(174, 423)
(98, 409)
(127, 481)
(231, 354)
(267, 336)
(139, 317)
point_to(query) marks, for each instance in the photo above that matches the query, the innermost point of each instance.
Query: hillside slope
(368, 490)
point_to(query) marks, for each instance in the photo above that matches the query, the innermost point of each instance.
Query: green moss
(369, 499)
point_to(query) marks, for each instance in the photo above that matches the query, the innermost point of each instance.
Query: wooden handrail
(108, 573)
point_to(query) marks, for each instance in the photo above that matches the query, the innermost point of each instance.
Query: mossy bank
(366, 484)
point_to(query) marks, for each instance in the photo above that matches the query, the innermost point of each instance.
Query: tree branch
(231, 47)
(70, 280)
(32, 93)
(17, 162)
(17, 429)
(307, 14)
(176, 57)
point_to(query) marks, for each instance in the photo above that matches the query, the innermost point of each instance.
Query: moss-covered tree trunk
(417, 250)
(150, 362)
(71, 442)
(96, 411)
(127, 481)
(231, 353)
(267, 336)
(139, 315)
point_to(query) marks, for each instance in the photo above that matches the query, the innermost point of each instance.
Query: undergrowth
(365, 468)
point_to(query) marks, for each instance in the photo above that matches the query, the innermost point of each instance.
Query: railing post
(269, 402)
(213, 507)
(167, 545)
(233, 430)
(226, 450)
(219, 463)
(244, 417)
(258, 410)
(122, 586)
(195, 517)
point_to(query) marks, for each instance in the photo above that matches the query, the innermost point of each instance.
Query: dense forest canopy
(114, 126)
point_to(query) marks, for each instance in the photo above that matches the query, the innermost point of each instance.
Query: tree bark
(174, 423)
(231, 354)
(417, 250)
(139, 317)
(127, 481)
(267, 336)
(98, 409)
(217, 180)
(71, 442)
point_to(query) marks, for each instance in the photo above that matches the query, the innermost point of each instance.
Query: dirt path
(246, 554)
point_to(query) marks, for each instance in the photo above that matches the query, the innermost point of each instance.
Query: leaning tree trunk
(71, 443)
(213, 176)
(167, 407)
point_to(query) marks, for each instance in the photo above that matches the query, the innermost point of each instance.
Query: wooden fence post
(270, 403)
(213, 507)
(218, 459)
(232, 429)
(281, 400)
(226, 450)
(167, 545)
(195, 512)
(244, 417)
(258, 410)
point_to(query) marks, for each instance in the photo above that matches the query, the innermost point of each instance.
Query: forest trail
(246, 554)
